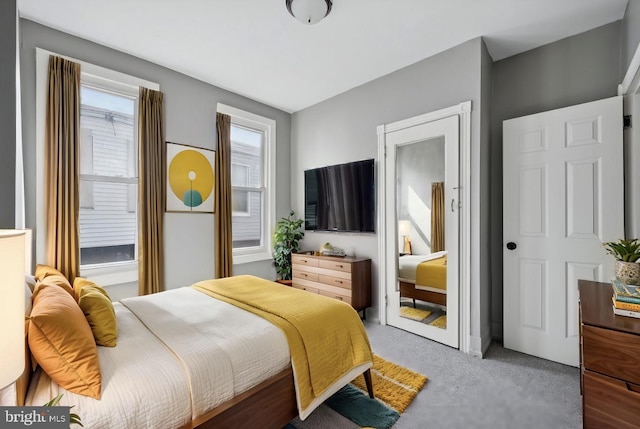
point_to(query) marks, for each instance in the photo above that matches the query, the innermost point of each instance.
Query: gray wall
(630, 35)
(7, 113)
(343, 129)
(190, 111)
(485, 189)
(418, 166)
(575, 70)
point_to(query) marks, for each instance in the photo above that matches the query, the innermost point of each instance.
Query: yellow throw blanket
(432, 273)
(326, 337)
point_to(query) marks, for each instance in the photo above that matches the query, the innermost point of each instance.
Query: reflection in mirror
(422, 262)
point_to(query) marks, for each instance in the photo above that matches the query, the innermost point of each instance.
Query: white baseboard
(478, 345)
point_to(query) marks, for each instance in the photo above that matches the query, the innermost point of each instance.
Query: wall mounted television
(340, 197)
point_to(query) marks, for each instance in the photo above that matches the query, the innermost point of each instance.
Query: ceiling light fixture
(309, 11)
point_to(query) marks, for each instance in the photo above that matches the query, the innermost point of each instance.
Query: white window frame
(103, 274)
(268, 127)
(243, 189)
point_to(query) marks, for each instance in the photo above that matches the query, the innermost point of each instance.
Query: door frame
(463, 110)
(630, 90)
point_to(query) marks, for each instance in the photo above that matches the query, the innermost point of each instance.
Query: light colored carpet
(505, 390)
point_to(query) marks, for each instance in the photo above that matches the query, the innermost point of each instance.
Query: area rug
(394, 387)
(440, 322)
(414, 313)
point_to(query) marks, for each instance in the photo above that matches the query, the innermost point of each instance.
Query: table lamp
(12, 266)
(404, 227)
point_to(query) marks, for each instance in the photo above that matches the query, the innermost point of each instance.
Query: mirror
(422, 261)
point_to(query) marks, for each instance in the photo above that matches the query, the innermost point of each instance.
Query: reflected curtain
(223, 243)
(151, 160)
(437, 216)
(62, 141)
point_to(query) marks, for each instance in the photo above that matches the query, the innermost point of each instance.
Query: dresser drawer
(304, 260)
(610, 403)
(343, 298)
(305, 275)
(335, 265)
(612, 353)
(335, 281)
(304, 287)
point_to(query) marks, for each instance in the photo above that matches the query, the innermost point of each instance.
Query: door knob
(511, 245)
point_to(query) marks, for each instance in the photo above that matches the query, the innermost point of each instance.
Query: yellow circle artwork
(190, 177)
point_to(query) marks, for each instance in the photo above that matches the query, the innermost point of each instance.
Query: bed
(424, 277)
(221, 353)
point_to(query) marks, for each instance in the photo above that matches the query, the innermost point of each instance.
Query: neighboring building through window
(252, 179)
(108, 177)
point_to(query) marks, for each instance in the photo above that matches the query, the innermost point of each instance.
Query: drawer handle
(305, 274)
(632, 387)
(339, 282)
(304, 261)
(340, 266)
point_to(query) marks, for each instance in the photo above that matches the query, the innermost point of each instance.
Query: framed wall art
(190, 179)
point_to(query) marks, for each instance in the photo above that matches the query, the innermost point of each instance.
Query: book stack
(626, 299)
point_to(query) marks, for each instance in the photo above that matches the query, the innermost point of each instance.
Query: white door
(444, 132)
(562, 197)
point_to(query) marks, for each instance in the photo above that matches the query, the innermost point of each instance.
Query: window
(108, 176)
(252, 179)
(108, 153)
(239, 180)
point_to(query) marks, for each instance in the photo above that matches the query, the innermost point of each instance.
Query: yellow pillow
(61, 342)
(98, 309)
(49, 275)
(81, 282)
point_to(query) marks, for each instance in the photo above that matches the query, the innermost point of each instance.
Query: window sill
(251, 257)
(112, 274)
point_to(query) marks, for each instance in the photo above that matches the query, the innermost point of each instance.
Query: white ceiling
(255, 48)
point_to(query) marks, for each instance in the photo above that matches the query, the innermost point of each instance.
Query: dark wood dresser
(609, 361)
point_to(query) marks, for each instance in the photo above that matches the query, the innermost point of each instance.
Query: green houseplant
(286, 241)
(627, 255)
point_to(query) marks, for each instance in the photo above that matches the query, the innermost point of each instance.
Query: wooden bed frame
(269, 405)
(408, 290)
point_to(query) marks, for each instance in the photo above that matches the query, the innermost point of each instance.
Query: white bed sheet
(408, 264)
(143, 385)
(224, 350)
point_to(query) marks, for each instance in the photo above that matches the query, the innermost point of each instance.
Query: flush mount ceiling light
(309, 11)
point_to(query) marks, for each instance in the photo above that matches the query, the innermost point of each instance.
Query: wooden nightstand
(609, 361)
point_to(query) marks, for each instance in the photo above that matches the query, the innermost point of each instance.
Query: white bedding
(224, 350)
(139, 373)
(180, 354)
(408, 264)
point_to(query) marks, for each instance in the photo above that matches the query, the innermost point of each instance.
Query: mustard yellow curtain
(223, 242)
(437, 216)
(62, 142)
(152, 184)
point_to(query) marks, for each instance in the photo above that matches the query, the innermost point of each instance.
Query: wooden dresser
(347, 279)
(609, 361)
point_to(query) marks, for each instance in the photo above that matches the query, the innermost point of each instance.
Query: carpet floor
(504, 390)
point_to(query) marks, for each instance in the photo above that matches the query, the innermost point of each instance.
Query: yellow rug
(440, 322)
(414, 313)
(394, 385)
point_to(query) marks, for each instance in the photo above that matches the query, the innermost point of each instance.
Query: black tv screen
(340, 197)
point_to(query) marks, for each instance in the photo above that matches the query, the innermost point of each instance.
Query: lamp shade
(309, 11)
(12, 256)
(404, 227)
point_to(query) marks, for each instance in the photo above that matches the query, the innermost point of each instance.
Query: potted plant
(286, 241)
(627, 254)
